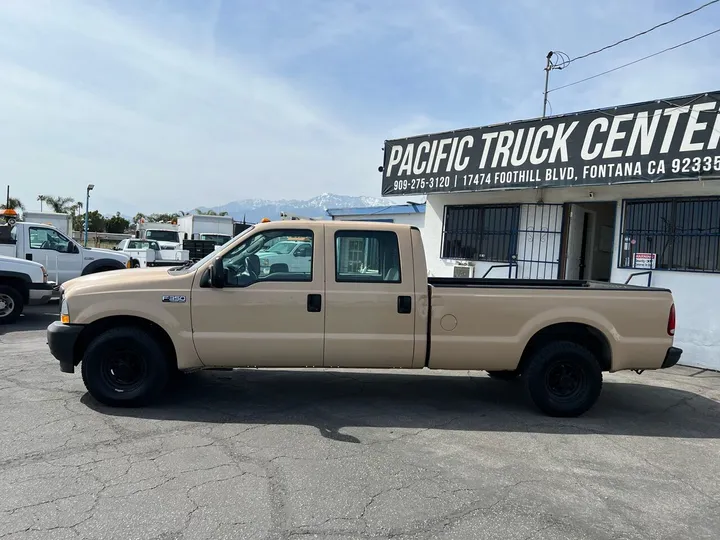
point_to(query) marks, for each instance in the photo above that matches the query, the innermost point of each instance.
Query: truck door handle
(314, 303)
(28, 256)
(404, 304)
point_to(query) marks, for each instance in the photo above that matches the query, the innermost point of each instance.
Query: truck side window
(270, 256)
(367, 257)
(41, 238)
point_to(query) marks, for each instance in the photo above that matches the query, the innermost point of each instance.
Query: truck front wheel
(11, 304)
(564, 379)
(124, 367)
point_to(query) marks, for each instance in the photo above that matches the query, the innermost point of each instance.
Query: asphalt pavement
(349, 454)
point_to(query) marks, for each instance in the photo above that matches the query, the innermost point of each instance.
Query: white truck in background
(218, 229)
(292, 255)
(22, 283)
(62, 222)
(165, 234)
(63, 258)
(147, 253)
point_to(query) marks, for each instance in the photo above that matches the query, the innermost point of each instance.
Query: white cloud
(165, 109)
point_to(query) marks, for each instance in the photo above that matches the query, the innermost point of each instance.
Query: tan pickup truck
(362, 300)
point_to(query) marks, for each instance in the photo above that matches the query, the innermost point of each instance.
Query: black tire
(136, 264)
(564, 379)
(125, 367)
(504, 375)
(11, 304)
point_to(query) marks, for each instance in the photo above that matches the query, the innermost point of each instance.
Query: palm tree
(62, 205)
(75, 208)
(12, 203)
(42, 199)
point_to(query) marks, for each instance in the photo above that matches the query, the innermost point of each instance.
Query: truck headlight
(64, 312)
(264, 262)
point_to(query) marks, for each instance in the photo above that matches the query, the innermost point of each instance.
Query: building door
(574, 253)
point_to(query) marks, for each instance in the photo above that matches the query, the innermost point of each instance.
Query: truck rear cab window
(367, 257)
(270, 256)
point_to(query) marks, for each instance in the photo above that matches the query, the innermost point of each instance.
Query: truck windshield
(163, 236)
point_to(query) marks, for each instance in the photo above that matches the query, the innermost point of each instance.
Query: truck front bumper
(40, 293)
(61, 338)
(672, 357)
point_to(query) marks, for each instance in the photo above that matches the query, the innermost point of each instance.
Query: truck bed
(495, 283)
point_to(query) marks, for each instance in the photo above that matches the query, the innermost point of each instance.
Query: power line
(644, 32)
(638, 60)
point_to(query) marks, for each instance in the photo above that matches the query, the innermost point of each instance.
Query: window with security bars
(680, 234)
(481, 232)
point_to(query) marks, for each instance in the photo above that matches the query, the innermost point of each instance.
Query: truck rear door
(369, 296)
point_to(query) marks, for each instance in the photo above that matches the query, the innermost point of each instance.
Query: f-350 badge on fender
(173, 298)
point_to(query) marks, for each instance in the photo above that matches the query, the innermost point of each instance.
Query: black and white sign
(670, 139)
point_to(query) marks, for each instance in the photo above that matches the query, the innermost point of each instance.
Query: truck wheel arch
(94, 329)
(18, 282)
(102, 265)
(582, 334)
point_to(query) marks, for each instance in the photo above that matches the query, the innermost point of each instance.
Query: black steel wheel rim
(565, 380)
(124, 370)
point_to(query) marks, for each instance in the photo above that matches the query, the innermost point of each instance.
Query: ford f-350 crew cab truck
(364, 302)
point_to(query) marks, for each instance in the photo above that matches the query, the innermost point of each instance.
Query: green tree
(161, 217)
(96, 222)
(116, 224)
(209, 212)
(61, 205)
(12, 203)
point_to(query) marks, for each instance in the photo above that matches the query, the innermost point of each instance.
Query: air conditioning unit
(464, 271)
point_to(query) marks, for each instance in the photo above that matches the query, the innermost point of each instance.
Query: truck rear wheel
(564, 379)
(11, 304)
(124, 367)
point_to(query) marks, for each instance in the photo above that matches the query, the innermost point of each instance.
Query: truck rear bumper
(672, 357)
(61, 339)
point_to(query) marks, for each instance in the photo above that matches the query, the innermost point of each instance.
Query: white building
(408, 214)
(649, 227)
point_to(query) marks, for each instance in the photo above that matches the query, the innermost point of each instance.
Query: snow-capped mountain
(253, 210)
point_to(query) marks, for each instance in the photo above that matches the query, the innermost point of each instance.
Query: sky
(167, 105)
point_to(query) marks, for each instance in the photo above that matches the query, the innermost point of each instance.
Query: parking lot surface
(281, 454)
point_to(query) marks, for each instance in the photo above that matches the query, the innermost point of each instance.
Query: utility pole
(87, 209)
(548, 67)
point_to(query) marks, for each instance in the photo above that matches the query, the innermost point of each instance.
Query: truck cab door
(262, 316)
(370, 298)
(61, 257)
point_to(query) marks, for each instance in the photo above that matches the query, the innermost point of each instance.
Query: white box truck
(62, 222)
(218, 229)
(165, 234)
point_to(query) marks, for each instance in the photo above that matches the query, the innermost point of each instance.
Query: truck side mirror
(217, 274)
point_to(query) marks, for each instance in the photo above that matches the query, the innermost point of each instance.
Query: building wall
(416, 219)
(696, 295)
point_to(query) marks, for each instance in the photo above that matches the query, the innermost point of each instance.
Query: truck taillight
(671, 321)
